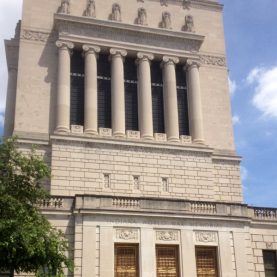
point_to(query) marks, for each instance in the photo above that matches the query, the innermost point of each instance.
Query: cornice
(104, 32)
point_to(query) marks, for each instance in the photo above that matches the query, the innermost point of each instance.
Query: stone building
(128, 102)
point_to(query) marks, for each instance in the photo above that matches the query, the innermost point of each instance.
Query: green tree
(28, 242)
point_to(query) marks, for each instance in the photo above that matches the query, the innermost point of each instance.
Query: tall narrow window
(77, 89)
(131, 97)
(182, 100)
(104, 91)
(126, 260)
(206, 262)
(157, 97)
(270, 265)
(167, 260)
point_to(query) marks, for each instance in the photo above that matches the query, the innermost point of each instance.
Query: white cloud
(265, 97)
(232, 86)
(236, 119)
(243, 173)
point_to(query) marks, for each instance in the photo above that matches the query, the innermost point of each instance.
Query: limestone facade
(114, 186)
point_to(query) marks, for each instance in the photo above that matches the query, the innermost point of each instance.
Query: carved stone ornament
(167, 235)
(269, 245)
(127, 234)
(169, 59)
(205, 237)
(142, 17)
(64, 44)
(64, 7)
(90, 10)
(186, 4)
(35, 36)
(213, 60)
(192, 63)
(166, 20)
(164, 3)
(189, 24)
(116, 12)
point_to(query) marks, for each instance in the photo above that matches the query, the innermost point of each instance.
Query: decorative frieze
(132, 134)
(213, 60)
(167, 235)
(205, 237)
(126, 234)
(36, 36)
(185, 139)
(160, 137)
(105, 132)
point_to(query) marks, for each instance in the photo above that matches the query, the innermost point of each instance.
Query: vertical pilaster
(118, 91)
(63, 88)
(194, 102)
(170, 98)
(90, 105)
(145, 112)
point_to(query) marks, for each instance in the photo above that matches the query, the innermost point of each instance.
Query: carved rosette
(167, 235)
(126, 234)
(205, 237)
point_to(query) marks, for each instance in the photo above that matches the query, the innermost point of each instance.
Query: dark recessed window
(182, 100)
(270, 266)
(131, 96)
(104, 91)
(157, 97)
(77, 89)
(206, 262)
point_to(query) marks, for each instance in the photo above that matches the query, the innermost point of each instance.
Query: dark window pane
(104, 92)
(206, 262)
(157, 98)
(270, 263)
(182, 100)
(77, 89)
(131, 97)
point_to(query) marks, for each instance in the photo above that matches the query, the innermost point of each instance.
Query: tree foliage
(28, 242)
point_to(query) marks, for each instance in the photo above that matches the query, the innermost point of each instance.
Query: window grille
(206, 262)
(126, 261)
(167, 260)
(270, 265)
(77, 89)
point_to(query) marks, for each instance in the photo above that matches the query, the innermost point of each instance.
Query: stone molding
(126, 234)
(39, 36)
(205, 237)
(103, 31)
(167, 235)
(213, 60)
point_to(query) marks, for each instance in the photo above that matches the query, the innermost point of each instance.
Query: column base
(62, 129)
(147, 137)
(91, 132)
(199, 141)
(173, 139)
(119, 134)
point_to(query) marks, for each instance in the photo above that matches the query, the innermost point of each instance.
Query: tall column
(145, 95)
(63, 90)
(194, 102)
(170, 98)
(118, 91)
(91, 121)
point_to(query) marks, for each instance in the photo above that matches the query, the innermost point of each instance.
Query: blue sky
(251, 41)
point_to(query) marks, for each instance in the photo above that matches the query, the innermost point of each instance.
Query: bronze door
(206, 262)
(126, 261)
(167, 260)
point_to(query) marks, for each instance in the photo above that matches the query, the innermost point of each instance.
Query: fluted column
(170, 98)
(63, 88)
(194, 102)
(118, 91)
(90, 103)
(145, 95)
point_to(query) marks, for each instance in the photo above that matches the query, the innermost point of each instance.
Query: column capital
(192, 63)
(145, 56)
(170, 60)
(88, 48)
(64, 44)
(118, 52)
